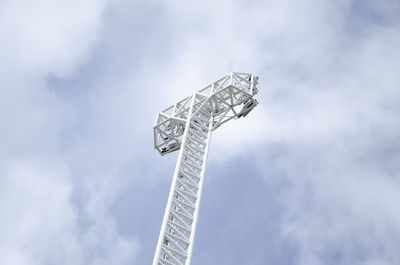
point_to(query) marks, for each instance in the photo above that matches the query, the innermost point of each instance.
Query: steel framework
(187, 125)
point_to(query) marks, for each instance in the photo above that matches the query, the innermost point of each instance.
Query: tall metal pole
(175, 242)
(207, 111)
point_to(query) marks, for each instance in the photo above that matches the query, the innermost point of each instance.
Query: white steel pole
(196, 213)
(230, 97)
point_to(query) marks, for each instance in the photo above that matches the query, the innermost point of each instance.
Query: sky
(311, 176)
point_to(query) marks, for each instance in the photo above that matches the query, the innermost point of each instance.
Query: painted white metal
(187, 125)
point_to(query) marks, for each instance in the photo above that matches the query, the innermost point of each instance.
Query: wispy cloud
(80, 88)
(43, 220)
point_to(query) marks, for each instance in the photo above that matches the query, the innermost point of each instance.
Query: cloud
(78, 98)
(50, 36)
(40, 224)
(326, 120)
(328, 108)
(339, 154)
(48, 216)
(338, 205)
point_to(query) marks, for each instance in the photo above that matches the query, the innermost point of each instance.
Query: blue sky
(310, 177)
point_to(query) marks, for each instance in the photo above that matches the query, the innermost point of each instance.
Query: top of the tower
(229, 97)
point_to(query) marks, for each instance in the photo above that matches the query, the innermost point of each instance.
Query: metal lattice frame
(187, 125)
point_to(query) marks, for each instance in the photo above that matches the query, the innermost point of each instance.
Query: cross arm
(230, 97)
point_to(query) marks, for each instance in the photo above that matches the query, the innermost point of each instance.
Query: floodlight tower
(187, 125)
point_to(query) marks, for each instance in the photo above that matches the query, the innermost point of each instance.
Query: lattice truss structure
(187, 125)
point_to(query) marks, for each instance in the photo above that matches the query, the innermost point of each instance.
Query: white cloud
(41, 221)
(47, 36)
(328, 97)
(41, 225)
